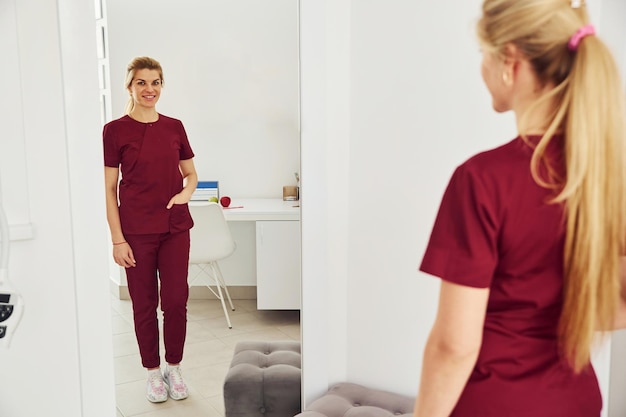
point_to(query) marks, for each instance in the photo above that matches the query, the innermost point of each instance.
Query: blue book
(208, 184)
(205, 190)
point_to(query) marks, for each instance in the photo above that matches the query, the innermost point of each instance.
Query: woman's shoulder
(169, 119)
(506, 155)
(125, 119)
(499, 165)
(116, 125)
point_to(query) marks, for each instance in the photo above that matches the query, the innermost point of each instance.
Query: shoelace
(176, 378)
(156, 384)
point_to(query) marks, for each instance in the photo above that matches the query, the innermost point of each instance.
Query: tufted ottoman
(264, 380)
(354, 400)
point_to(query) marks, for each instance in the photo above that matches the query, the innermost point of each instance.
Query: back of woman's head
(588, 100)
(540, 29)
(139, 63)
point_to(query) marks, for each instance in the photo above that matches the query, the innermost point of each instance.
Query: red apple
(225, 201)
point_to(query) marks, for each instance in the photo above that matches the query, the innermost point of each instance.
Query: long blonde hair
(590, 111)
(139, 63)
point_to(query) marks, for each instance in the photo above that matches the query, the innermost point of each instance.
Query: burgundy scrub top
(495, 229)
(148, 155)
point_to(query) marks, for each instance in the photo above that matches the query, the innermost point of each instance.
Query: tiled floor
(208, 352)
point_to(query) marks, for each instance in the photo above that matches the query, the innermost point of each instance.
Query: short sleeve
(185, 148)
(463, 246)
(112, 156)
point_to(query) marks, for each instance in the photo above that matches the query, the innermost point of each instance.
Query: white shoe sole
(158, 400)
(177, 398)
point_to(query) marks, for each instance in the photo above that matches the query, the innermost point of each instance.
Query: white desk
(275, 251)
(256, 209)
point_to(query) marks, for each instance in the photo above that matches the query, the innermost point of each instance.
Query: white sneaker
(156, 391)
(175, 383)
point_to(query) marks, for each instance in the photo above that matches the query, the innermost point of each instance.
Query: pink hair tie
(574, 41)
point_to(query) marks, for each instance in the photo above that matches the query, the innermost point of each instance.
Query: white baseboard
(243, 292)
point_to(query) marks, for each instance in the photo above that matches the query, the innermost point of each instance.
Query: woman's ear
(510, 59)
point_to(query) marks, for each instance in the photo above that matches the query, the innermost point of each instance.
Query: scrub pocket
(180, 218)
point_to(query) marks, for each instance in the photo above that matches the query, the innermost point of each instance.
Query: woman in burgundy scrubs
(529, 237)
(150, 222)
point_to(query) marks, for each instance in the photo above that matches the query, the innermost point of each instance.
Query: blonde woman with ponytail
(530, 236)
(149, 221)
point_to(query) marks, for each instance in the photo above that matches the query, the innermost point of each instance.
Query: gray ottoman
(354, 400)
(264, 380)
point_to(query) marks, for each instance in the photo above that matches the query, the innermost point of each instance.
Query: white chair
(211, 241)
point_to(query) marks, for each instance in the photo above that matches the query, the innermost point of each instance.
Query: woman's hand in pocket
(177, 199)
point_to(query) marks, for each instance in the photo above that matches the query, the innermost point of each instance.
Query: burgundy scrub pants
(164, 257)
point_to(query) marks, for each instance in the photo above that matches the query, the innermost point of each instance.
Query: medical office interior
(388, 101)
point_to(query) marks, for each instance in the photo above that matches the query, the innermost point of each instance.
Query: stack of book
(205, 190)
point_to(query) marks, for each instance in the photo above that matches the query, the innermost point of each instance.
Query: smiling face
(145, 88)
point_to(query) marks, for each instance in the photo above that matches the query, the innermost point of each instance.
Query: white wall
(60, 361)
(325, 159)
(13, 149)
(411, 107)
(418, 108)
(402, 145)
(231, 76)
